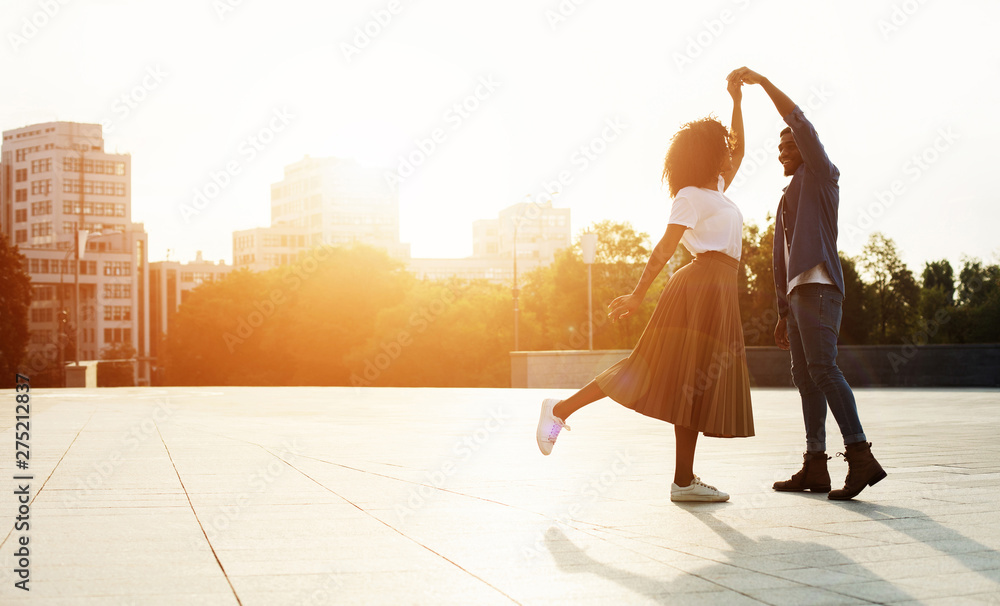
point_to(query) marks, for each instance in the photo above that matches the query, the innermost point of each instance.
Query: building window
(20, 236)
(42, 315)
(41, 228)
(20, 195)
(101, 167)
(41, 187)
(103, 188)
(20, 175)
(21, 216)
(41, 208)
(117, 291)
(43, 165)
(117, 268)
(117, 312)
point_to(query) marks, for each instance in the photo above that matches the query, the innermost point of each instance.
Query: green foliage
(15, 299)
(857, 321)
(895, 295)
(758, 302)
(978, 314)
(939, 275)
(555, 297)
(353, 316)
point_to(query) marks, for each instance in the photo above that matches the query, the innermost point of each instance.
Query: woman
(689, 366)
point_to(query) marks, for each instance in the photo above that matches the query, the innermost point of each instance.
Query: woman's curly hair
(696, 153)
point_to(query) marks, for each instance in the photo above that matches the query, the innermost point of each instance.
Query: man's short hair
(785, 131)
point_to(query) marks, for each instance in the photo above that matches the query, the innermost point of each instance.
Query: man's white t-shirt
(714, 222)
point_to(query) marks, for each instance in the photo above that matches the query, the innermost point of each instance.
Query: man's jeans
(814, 314)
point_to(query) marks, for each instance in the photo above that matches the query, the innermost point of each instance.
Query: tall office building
(323, 201)
(66, 203)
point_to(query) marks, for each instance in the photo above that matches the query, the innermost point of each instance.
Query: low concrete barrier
(863, 366)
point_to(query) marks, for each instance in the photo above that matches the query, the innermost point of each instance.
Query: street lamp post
(516, 291)
(588, 242)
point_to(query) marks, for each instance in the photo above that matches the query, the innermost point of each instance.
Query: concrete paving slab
(239, 495)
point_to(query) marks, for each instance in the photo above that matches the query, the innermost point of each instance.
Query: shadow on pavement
(662, 591)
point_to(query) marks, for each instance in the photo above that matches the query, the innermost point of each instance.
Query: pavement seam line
(392, 528)
(195, 512)
(555, 521)
(54, 467)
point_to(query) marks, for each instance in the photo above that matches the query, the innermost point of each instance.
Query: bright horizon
(508, 95)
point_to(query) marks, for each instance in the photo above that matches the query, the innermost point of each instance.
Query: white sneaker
(697, 491)
(549, 426)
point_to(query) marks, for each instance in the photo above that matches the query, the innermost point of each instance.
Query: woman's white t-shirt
(714, 222)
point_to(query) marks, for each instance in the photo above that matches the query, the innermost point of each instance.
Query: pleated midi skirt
(689, 367)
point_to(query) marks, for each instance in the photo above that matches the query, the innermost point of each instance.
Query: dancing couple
(689, 366)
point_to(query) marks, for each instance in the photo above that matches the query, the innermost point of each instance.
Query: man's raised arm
(806, 138)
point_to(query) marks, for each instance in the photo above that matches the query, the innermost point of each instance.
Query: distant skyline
(474, 107)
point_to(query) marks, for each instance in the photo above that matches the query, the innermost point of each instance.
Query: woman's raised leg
(591, 392)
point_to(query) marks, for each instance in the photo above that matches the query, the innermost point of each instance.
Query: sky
(477, 106)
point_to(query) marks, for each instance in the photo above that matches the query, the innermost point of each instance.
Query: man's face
(788, 154)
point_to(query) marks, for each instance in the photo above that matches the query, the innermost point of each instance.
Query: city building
(170, 283)
(323, 201)
(66, 203)
(264, 248)
(537, 231)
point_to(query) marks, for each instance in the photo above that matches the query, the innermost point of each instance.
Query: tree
(895, 293)
(758, 301)
(15, 299)
(939, 274)
(937, 303)
(858, 318)
(555, 297)
(978, 313)
(294, 325)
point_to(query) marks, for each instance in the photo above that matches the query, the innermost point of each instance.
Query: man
(809, 282)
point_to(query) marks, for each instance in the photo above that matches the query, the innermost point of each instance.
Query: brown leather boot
(813, 475)
(862, 470)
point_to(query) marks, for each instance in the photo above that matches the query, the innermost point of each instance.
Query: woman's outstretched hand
(624, 306)
(735, 86)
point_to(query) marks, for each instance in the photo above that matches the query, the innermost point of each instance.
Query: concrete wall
(863, 366)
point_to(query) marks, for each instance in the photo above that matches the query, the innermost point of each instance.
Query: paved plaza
(270, 496)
